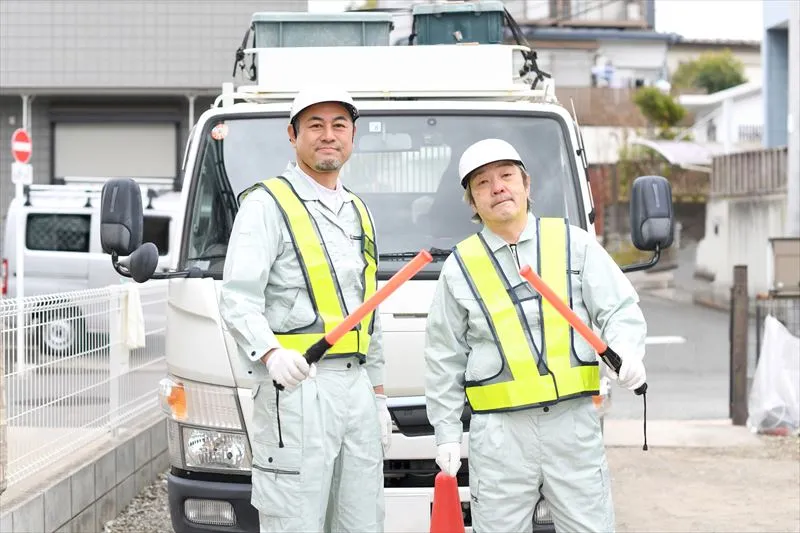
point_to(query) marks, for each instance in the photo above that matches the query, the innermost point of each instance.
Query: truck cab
(420, 107)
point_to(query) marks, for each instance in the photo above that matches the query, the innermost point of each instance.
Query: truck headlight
(205, 426)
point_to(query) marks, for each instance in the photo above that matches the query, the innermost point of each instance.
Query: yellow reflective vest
(321, 282)
(527, 377)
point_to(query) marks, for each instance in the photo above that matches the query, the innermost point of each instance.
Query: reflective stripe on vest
(323, 288)
(524, 380)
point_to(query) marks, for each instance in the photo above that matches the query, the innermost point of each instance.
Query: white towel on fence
(134, 318)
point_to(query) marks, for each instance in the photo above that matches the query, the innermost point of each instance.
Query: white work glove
(287, 368)
(631, 374)
(385, 420)
(448, 457)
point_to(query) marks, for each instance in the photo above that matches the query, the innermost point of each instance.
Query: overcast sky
(694, 19)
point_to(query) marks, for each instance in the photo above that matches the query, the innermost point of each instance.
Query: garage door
(108, 150)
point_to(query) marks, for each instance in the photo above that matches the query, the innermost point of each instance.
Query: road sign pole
(20, 279)
(21, 175)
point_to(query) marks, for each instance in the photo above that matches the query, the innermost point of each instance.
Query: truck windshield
(404, 167)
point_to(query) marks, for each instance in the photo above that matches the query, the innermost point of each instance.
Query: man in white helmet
(527, 377)
(301, 257)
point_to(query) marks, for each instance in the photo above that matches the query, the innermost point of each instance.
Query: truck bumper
(223, 504)
(410, 509)
(211, 506)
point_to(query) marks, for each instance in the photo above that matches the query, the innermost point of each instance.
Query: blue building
(781, 58)
(778, 92)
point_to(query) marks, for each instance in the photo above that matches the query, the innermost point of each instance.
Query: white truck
(421, 105)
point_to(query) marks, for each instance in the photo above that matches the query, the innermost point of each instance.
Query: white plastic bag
(774, 403)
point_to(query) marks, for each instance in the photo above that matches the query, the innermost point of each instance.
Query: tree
(711, 71)
(660, 109)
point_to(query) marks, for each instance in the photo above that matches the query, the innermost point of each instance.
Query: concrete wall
(45, 110)
(152, 46)
(737, 232)
(603, 143)
(83, 499)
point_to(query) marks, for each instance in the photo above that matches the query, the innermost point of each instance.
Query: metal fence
(82, 366)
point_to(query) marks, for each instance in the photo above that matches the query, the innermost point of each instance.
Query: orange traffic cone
(446, 516)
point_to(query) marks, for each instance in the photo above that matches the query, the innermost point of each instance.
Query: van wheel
(60, 332)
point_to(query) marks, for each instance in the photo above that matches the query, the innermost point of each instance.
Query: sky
(694, 19)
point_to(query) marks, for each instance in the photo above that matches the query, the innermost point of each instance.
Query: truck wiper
(437, 253)
(206, 257)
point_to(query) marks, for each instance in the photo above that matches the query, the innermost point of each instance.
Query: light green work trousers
(328, 476)
(560, 448)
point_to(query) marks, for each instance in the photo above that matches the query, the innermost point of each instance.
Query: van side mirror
(651, 218)
(121, 219)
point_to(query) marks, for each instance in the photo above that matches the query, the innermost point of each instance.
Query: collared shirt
(332, 198)
(460, 346)
(263, 287)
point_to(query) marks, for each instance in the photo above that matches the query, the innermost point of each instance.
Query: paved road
(688, 375)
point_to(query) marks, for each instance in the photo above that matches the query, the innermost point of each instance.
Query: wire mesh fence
(77, 366)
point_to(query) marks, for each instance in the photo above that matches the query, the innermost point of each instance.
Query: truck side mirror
(121, 228)
(651, 218)
(651, 213)
(121, 219)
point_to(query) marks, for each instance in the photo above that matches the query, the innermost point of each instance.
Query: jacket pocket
(277, 480)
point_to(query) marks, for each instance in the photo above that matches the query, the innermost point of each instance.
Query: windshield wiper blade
(206, 257)
(437, 253)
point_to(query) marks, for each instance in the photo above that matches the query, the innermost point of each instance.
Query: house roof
(705, 100)
(686, 154)
(718, 42)
(542, 33)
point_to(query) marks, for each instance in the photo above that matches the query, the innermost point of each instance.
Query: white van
(420, 106)
(60, 225)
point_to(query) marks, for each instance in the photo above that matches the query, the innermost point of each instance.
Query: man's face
(500, 192)
(324, 138)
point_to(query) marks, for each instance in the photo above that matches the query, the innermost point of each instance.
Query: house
(755, 195)
(728, 120)
(110, 89)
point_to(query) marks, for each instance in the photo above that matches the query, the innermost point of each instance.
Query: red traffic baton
(318, 349)
(609, 356)
(315, 352)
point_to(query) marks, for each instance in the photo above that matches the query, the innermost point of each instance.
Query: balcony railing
(756, 172)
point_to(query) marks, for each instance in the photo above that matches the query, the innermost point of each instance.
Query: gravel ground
(662, 490)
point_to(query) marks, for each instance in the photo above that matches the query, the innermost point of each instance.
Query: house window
(711, 132)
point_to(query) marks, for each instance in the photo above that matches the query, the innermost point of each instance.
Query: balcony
(748, 174)
(583, 13)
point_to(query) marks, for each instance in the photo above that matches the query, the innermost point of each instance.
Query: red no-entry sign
(21, 146)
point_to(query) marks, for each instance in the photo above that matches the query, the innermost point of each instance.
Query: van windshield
(404, 167)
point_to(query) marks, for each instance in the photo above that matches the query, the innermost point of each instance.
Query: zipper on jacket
(514, 253)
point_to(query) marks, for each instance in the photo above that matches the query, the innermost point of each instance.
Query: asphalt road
(687, 364)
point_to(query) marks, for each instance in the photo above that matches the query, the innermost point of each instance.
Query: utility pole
(792, 225)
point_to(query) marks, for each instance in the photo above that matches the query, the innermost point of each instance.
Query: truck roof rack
(91, 188)
(469, 63)
(392, 72)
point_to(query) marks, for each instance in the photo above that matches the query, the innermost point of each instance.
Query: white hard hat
(484, 152)
(316, 95)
